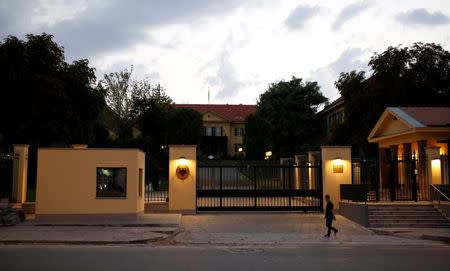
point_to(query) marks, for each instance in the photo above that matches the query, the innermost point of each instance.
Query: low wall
(356, 212)
(156, 207)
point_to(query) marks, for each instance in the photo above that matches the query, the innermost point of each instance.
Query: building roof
(429, 116)
(231, 112)
(339, 102)
(410, 120)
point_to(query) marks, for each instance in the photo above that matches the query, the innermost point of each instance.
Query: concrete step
(410, 216)
(410, 225)
(399, 207)
(418, 213)
(415, 221)
(405, 216)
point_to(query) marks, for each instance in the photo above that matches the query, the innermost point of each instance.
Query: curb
(81, 242)
(154, 225)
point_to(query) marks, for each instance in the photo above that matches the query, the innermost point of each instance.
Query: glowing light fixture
(338, 165)
(182, 161)
(268, 155)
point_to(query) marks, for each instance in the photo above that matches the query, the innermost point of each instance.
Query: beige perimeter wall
(66, 181)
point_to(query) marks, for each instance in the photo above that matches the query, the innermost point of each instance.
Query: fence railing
(439, 193)
(6, 174)
(445, 174)
(354, 192)
(159, 195)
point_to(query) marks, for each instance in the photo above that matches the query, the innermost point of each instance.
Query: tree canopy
(286, 121)
(401, 76)
(45, 100)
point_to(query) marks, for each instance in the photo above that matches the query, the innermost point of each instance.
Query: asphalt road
(307, 257)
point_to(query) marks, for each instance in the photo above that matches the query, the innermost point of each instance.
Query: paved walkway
(271, 229)
(277, 229)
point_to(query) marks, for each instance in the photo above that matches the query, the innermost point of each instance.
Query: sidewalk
(152, 227)
(287, 229)
(434, 234)
(267, 229)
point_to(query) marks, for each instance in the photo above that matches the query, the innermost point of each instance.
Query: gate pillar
(182, 178)
(336, 170)
(20, 170)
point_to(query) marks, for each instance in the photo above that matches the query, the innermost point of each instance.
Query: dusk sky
(235, 48)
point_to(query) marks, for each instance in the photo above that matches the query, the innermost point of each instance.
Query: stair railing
(437, 195)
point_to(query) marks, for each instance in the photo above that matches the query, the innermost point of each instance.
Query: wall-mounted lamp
(240, 149)
(338, 165)
(268, 155)
(182, 168)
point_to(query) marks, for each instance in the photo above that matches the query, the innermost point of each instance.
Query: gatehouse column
(182, 178)
(20, 173)
(336, 170)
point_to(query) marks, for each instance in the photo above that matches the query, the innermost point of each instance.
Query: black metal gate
(366, 171)
(157, 176)
(6, 174)
(242, 187)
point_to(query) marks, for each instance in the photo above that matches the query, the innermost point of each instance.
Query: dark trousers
(329, 224)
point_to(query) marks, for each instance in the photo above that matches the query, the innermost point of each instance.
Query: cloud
(300, 16)
(106, 26)
(10, 20)
(349, 12)
(226, 78)
(422, 16)
(349, 60)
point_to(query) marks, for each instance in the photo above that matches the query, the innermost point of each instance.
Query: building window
(111, 182)
(238, 147)
(212, 131)
(140, 182)
(208, 131)
(239, 131)
(218, 131)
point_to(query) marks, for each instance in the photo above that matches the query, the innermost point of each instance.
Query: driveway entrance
(259, 187)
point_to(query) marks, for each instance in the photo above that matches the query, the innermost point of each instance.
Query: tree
(144, 95)
(118, 86)
(290, 108)
(45, 100)
(402, 76)
(185, 126)
(256, 139)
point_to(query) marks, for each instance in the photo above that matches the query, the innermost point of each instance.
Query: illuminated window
(112, 182)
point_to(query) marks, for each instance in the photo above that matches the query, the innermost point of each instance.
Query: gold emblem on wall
(182, 172)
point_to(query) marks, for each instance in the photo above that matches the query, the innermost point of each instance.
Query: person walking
(329, 217)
